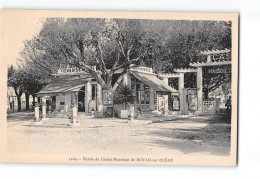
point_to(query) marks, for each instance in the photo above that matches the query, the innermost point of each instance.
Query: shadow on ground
(213, 138)
(20, 116)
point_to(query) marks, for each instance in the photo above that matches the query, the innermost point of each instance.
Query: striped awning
(154, 82)
(63, 85)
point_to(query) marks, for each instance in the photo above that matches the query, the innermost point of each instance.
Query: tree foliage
(124, 95)
(16, 80)
(112, 44)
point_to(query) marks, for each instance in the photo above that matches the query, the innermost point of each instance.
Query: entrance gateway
(151, 93)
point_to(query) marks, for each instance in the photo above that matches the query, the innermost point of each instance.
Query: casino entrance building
(72, 86)
(153, 92)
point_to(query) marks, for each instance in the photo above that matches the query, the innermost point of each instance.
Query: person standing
(229, 104)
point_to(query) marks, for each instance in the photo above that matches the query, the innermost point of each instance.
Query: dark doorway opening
(81, 99)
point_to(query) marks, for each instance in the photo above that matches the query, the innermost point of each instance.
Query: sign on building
(108, 97)
(192, 99)
(175, 103)
(220, 70)
(161, 103)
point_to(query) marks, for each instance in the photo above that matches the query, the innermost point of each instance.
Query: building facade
(71, 86)
(152, 92)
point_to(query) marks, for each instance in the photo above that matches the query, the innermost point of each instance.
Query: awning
(154, 82)
(63, 85)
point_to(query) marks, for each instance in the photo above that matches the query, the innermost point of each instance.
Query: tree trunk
(206, 94)
(33, 99)
(27, 95)
(19, 103)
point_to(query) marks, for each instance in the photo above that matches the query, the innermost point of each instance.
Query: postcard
(118, 87)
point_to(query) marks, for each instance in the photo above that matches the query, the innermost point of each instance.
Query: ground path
(170, 134)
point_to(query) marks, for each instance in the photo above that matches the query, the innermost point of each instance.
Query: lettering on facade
(68, 70)
(71, 70)
(143, 69)
(220, 70)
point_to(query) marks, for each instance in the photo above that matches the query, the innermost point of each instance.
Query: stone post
(36, 113)
(74, 117)
(88, 90)
(166, 100)
(132, 112)
(99, 100)
(44, 113)
(181, 90)
(74, 114)
(200, 88)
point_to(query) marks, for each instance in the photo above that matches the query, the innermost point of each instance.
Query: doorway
(81, 100)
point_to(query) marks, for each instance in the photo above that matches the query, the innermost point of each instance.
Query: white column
(74, 114)
(166, 80)
(88, 90)
(44, 107)
(152, 96)
(181, 90)
(165, 97)
(57, 102)
(67, 102)
(99, 98)
(127, 79)
(200, 88)
(36, 113)
(74, 108)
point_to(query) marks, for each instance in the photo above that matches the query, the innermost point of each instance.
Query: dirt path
(193, 135)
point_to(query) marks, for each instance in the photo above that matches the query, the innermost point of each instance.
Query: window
(94, 92)
(138, 87)
(62, 100)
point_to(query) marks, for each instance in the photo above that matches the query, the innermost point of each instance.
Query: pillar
(37, 113)
(127, 79)
(152, 99)
(99, 98)
(68, 102)
(181, 90)
(44, 108)
(166, 81)
(57, 102)
(74, 108)
(132, 112)
(74, 114)
(88, 91)
(166, 106)
(200, 88)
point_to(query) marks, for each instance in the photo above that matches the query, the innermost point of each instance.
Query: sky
(16, 28)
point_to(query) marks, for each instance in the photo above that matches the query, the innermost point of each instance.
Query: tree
(113, 44)
(15, 80)
(124, 95)
(187, 39)
(108, 44)
(33, 83)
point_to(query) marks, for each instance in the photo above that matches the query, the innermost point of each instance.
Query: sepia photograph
(135, 88)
